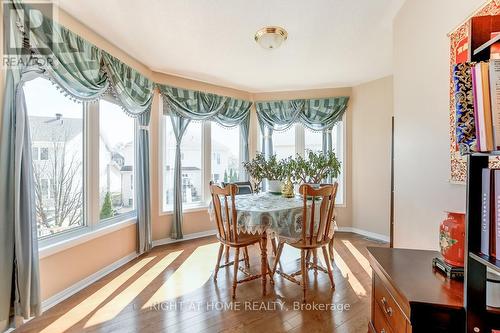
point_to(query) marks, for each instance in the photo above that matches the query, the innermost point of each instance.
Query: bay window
(83, 162)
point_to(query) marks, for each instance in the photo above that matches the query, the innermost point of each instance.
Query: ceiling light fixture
(271, 37)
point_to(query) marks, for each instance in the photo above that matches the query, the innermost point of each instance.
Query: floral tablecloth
(271, 213)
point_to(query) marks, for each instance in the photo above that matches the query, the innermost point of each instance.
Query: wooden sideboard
(409, 296)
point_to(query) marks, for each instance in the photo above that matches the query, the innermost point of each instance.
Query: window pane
(313, 140)
(191, 149)
(56, 125)
(116, 161)
(284, 143)
(225, 153)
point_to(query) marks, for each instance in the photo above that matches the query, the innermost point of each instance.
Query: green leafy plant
(313, 168)
(316, 166)
(259, 168)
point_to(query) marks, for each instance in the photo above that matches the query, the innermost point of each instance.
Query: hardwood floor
(171, 289)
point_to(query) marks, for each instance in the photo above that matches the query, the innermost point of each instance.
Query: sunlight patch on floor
(348, 274)
(360, 258)
(122, 300)
(191, 275)
(80, 311)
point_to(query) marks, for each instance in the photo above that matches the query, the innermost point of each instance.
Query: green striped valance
(198, 105)
(78, 67)
(317, 114)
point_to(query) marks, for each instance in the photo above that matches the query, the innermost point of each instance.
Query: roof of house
(52, 129)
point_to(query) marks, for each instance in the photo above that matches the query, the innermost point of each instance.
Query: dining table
(270, 215)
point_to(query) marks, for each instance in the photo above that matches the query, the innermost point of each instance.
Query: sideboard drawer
(379, 323)
(389, 307)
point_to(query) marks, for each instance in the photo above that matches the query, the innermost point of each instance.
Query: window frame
(206, 162)
(133, 213)
(91, 226)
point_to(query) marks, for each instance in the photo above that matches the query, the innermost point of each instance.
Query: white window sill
(65, 244)
(190, 209)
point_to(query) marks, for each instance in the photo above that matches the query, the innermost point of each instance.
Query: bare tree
(59, 202)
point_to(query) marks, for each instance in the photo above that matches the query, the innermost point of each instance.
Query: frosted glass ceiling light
(271, 37)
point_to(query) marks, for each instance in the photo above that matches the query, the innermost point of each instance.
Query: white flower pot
(274, 186)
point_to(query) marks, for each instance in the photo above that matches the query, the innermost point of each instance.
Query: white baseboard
(187, 237)
(369, 234)
(70, 291)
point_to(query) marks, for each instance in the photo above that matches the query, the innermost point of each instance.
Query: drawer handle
(382, 331)
(387, 309)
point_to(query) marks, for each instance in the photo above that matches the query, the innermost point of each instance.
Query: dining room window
(57, 135)
(284, 143)
(225, 145)
(83, 157)
(116, 162)
(298, 139)
(192, 153)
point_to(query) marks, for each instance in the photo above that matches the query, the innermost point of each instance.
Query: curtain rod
(472, 15)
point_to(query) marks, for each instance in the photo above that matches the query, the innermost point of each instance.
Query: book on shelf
(466, 130)
(477, 105)
(485, 210)
(478, 97)
(488, 119)
(490, 212)
(495, 222)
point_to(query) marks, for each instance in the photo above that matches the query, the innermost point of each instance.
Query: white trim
(70, 291)
(369, 234)
(187, 237)
(83, 238)
(189, 209)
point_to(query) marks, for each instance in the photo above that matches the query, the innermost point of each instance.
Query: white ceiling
(331, 43)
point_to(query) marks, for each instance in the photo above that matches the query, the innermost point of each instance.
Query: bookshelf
(479, 317)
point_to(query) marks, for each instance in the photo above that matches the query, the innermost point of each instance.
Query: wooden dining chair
(313, 235)
(227, 232)
(246, 188)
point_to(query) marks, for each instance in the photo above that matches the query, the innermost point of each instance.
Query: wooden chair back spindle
(225, 215)
(327, 193)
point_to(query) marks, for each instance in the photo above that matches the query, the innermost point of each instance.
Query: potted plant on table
(316, 167)
(271, 169)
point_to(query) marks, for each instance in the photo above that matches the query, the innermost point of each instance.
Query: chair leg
(275, 247)
(330, 250)
(227, 254)
(328, 266)
(315, 260)
(304, 273)
(219, 256)
(278, 255)
(236, 263)
(247, 258)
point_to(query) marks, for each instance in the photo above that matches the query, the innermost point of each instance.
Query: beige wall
(421, 98)
(64, 269)
(372, 109)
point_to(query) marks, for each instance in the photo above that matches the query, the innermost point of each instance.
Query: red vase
(452, 239)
